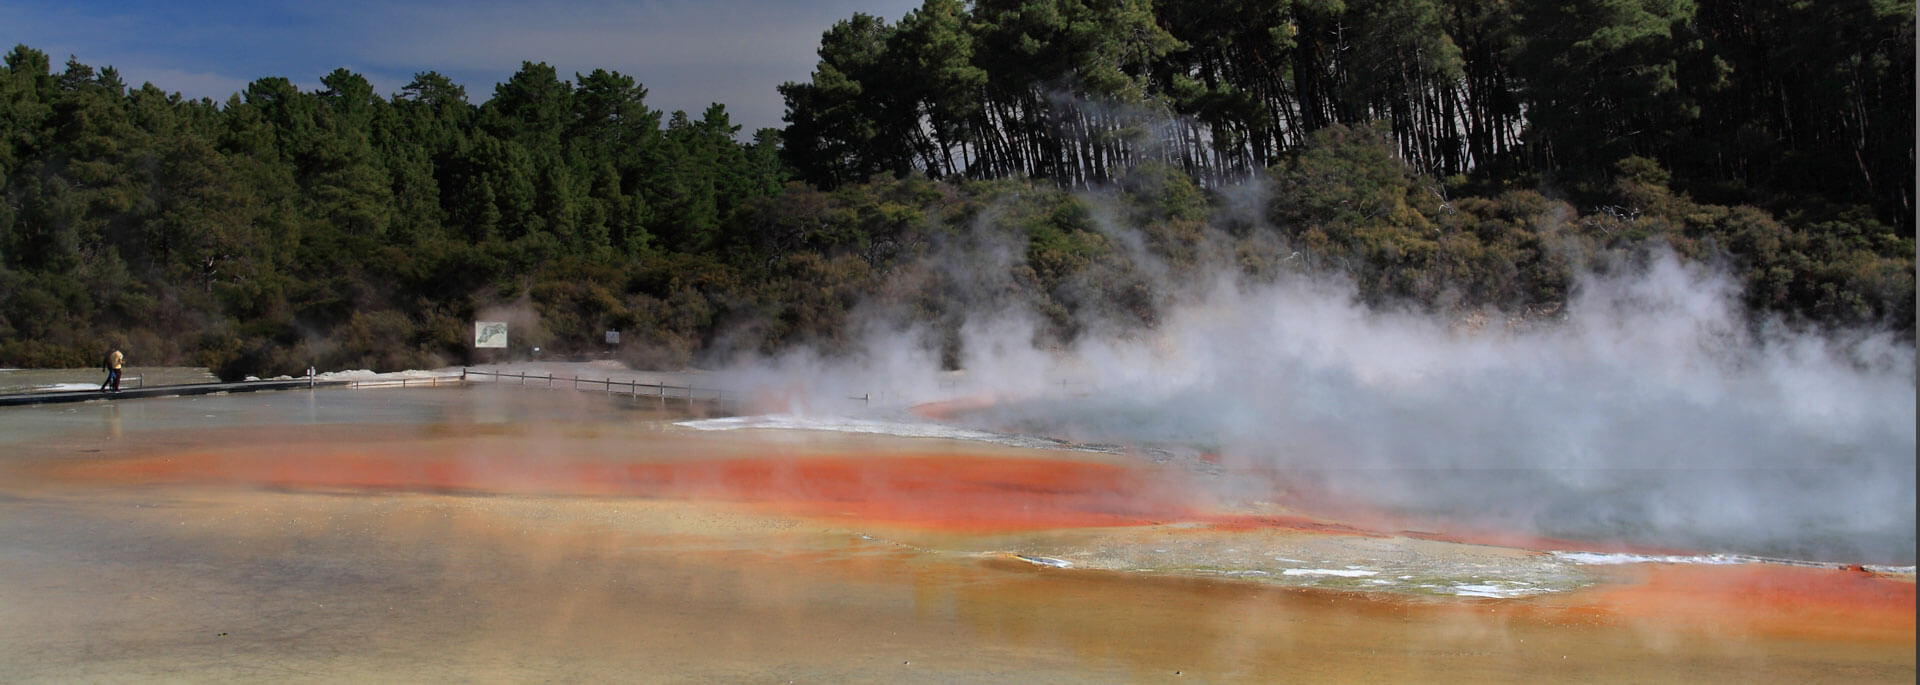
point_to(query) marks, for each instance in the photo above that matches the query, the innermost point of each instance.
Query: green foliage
(1610, 78)
(337, 227)
(1345, 178)
(343, 228)
(1786, 104)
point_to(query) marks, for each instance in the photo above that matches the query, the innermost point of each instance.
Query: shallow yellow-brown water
(480, 546)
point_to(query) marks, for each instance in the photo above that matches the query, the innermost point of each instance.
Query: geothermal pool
(485, 533)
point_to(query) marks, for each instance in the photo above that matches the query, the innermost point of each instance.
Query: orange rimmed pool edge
(931, 490)
(954, 491)
(1759, 599)
(973, 493)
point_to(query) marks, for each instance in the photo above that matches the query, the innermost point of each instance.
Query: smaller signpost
(490, 334)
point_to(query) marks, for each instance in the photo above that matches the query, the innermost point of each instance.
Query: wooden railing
(423, 381)
(665, 391)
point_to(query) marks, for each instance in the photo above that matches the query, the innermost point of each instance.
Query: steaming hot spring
(1271, 486)
(507, 533)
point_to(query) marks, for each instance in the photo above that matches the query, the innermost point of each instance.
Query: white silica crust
(1342, 573)
(874, 427)
(1608, 559)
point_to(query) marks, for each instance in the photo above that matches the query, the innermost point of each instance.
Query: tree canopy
(1796, 106)
(284, 226)
(1446, 154)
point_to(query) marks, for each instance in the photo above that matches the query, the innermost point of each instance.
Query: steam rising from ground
(1652, 412)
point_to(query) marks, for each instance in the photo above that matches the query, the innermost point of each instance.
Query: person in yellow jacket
(114, 361)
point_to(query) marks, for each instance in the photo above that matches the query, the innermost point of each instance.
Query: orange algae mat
(1762, 599)
(977, 493)
(953, 492)
(957, 492)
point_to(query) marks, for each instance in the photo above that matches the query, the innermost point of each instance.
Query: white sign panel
(490, 334)
(613, 337)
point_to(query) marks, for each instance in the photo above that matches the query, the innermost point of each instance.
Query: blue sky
(687, 53)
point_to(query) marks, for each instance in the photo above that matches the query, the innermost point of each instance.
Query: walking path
(26, 398)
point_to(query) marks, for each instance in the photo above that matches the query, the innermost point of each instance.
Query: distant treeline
(284, 227)
(1788, 104)
(344, 229)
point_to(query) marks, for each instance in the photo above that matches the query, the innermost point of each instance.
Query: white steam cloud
(1652, 412)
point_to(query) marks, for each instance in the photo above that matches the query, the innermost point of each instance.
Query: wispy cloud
(688, 54)
(191, 84)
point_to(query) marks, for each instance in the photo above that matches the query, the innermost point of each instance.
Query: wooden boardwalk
(57, 397)
(661, 391)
